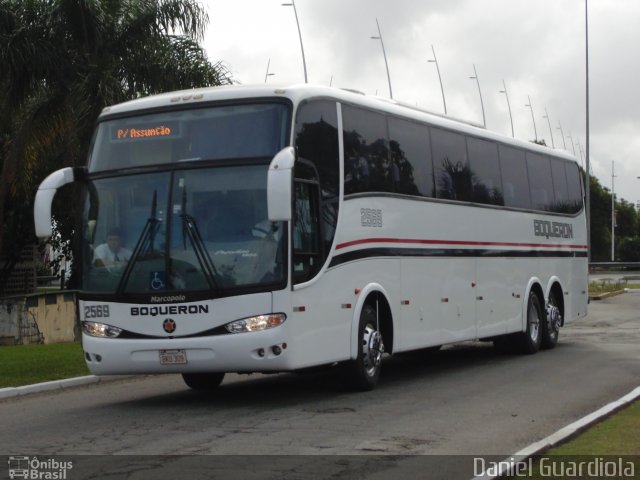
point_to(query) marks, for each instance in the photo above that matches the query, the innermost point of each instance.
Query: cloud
(538, 48)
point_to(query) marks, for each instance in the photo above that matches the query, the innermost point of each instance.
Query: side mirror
(44, 198)
(279, 185)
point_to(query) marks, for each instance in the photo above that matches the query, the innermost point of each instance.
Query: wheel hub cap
(372, 349)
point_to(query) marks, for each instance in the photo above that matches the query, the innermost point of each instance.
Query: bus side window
(540, 181)
(560, 188)
(574, 184)
(366, 152)
(515, 180)
(453, 175)
(306, 245)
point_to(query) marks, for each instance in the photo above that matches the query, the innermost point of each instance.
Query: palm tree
(62, 62)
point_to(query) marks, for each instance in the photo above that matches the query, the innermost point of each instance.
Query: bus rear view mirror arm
(44, 197)
(279, 185)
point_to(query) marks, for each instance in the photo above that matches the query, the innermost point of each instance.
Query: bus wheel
(530, 339)
(551, 326)
(364, 371)
(203, 381)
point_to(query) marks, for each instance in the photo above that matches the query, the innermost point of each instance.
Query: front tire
(363, 373)
(204, 382)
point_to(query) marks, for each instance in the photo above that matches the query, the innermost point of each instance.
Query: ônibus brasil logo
(35, 468)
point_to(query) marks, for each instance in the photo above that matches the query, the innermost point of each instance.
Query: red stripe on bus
(413, 241)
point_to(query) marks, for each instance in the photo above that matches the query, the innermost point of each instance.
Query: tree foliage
(62, 62)
(626, 230)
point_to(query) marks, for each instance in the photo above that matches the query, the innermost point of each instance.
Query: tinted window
(515, 183)
(317, 143)
(316, 200)
(411, 168)
(574, 187)
(452, 173)
(307, 254)
(485, 171)
(540, 182)
(366, 156)
(560, 192)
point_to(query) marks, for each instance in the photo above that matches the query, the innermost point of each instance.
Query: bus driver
(112, 252)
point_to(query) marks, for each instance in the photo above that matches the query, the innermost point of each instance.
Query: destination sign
(145, 131)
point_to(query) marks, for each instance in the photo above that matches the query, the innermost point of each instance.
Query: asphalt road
(429, 417)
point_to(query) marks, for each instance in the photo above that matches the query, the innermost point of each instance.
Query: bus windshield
(183, 230)
(176, 202)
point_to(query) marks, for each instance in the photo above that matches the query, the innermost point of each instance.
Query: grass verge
(599, 288)
(28, 364)
(617, 435)
(610, 446)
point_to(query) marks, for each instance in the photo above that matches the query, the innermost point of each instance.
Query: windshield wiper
(190, 230)
(145, 245)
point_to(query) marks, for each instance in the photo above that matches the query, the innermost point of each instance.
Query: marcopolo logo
(38, 469)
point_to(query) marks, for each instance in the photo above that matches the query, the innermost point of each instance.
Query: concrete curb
(10, 392)
(562, 435)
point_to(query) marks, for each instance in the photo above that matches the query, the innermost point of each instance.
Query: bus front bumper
(266, 351)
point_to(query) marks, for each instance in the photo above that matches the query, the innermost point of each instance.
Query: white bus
(260, 229)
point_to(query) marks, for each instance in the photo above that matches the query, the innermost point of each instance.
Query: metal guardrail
(614, 265)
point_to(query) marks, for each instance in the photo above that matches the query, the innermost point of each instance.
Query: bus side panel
(322, 332)
(423, 314)
(578, 290)
(457, 298)
(497, 305)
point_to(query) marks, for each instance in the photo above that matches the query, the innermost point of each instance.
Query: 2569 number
(96, 311)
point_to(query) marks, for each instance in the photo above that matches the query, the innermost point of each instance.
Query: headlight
(100, 330)
(257, 323)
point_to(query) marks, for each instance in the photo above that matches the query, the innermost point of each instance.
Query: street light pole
(564, 141)
(546, 115)
(613, 213)
(304, 61)
(572, 144)
(384, 54)
(535, 130)
(268, 74)
(435, 60)
(581, 150)
(508, 106)
(588, 182)
(475, 77)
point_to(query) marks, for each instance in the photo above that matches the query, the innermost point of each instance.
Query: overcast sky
(536, 46)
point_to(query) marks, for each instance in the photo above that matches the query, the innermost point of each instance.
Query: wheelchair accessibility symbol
(157, 280)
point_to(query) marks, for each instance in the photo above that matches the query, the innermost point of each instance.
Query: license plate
(173, 357)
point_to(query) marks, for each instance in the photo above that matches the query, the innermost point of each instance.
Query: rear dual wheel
(551, 326)
(530, 340)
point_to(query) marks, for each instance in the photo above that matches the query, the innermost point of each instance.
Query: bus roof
(301, 92)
